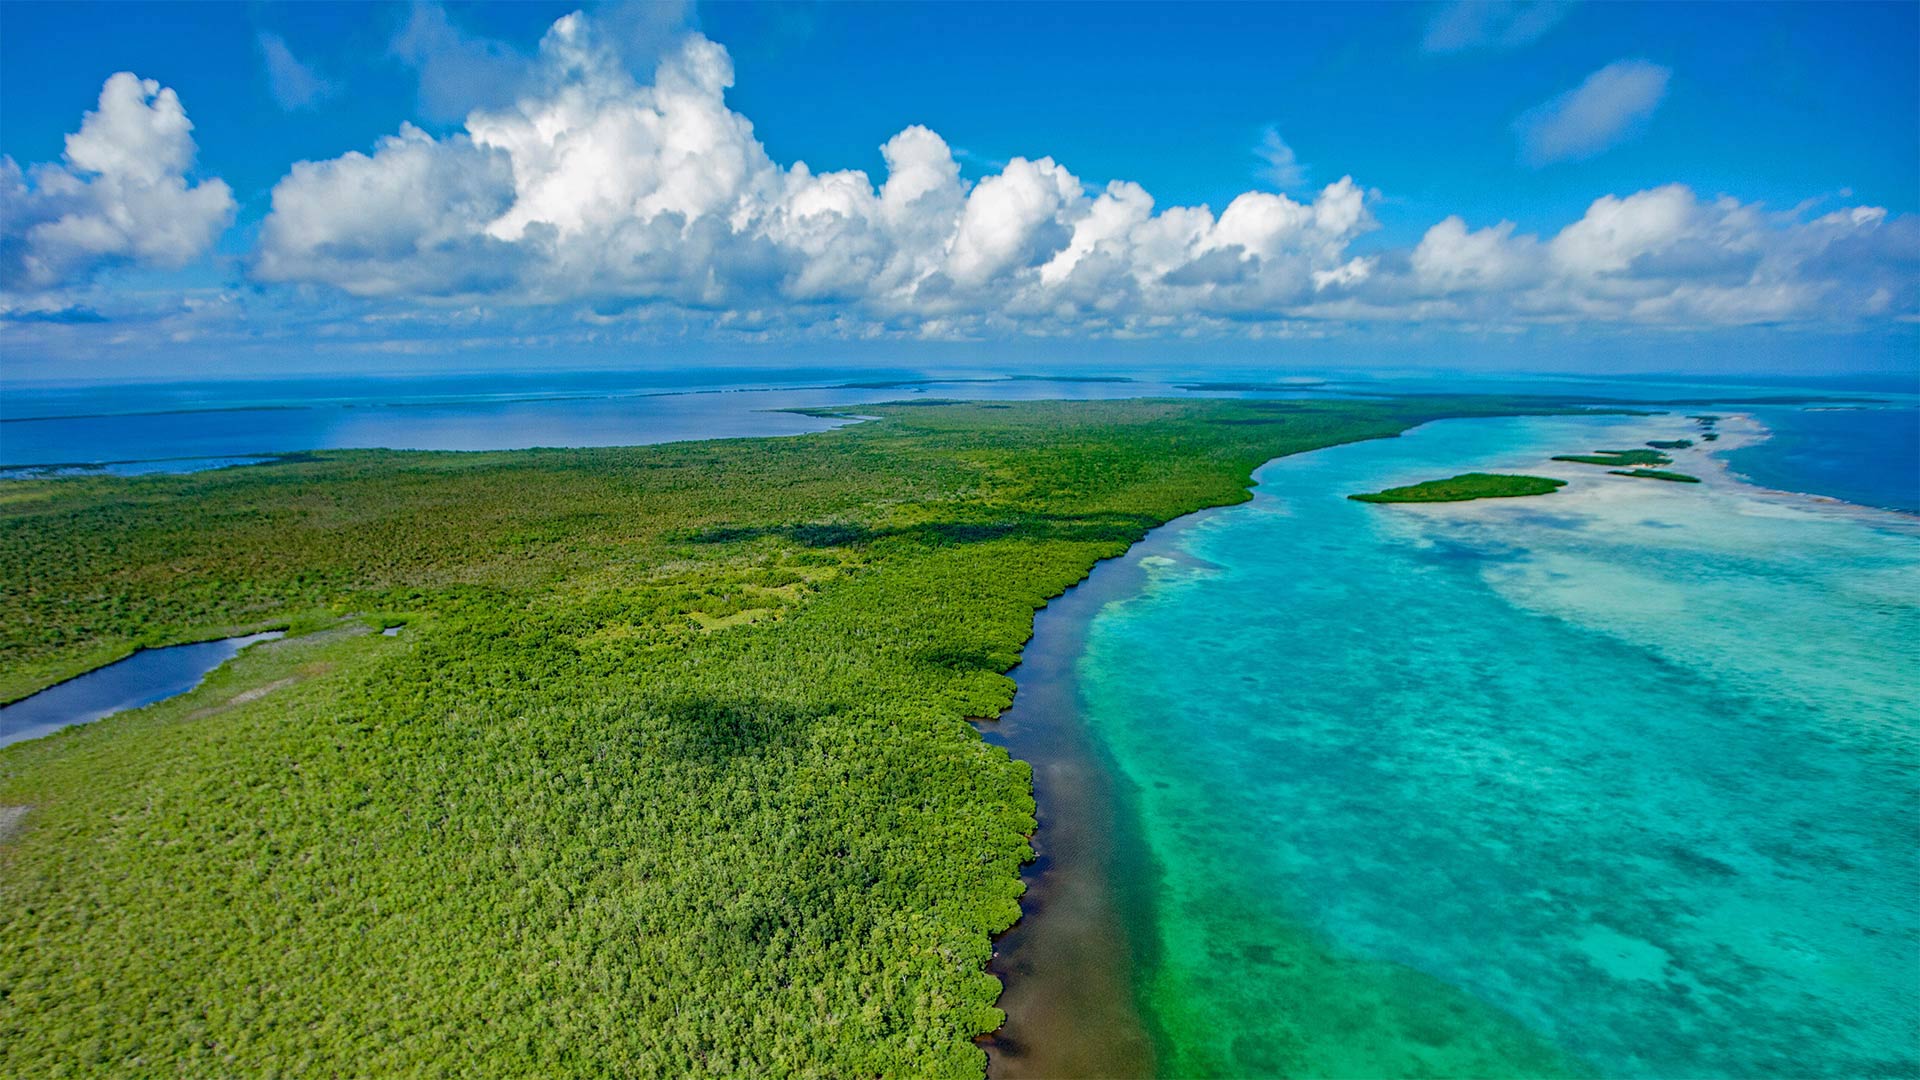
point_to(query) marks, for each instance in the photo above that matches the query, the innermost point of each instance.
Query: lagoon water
(1620, 780)
(147, 676)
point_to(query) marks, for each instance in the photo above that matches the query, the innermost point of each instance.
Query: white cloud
(1491, 24)
(1279, 165)
(120, 196)
(293, 84)
(1453, 259)
(1664, 257)
(1607, 107)
(403, 221)
(1013, 220)
(595, 187)
(628, 200)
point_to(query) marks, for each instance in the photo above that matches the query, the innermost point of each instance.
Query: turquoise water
(1622, 780)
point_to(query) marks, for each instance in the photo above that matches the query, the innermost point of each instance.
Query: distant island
(1617, 458)
(1657, 474)
(1465, 487)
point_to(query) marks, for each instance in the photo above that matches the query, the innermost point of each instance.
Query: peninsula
(669, 772)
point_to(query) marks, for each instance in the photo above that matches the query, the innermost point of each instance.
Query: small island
(1657, 474)
(1618, 458)
(1465, 487)
(1706, 422)
(1670, 444)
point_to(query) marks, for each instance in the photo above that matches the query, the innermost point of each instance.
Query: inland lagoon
(146, 677)
(1618, 782)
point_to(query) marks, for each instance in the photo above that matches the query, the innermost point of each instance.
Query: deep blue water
(1865, 456)
(147, 676)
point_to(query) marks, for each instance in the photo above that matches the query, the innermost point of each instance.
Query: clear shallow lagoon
(147, 676)
(1620, 780)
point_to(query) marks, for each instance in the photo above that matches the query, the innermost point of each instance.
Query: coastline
(1068, 966)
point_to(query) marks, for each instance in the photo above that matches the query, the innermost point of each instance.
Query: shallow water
(147, 676)
(1619, 780)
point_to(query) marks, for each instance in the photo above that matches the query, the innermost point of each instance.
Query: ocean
(1616, 781)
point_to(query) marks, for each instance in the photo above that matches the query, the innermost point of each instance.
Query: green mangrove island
(1617, 458)
(1464, 487)
(1657, 474)
(670, 772)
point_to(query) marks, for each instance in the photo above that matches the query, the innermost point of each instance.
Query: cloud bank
(597, 189)
(120, 194)
(592, 205)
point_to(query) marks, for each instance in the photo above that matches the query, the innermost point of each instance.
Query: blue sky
(1665, 186)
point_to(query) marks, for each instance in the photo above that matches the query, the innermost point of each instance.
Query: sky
(261, 189)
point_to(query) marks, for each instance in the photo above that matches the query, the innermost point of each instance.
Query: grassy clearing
(669, 774)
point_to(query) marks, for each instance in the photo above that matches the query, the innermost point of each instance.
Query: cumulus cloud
(623, 197)
(1664, 257)
(1491, 24)
(120, 194)
(293, 84)
(599, 188)
(1607, 107)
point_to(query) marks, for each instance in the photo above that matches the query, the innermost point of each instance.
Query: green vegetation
(669, 774)
(1618, 457)
(1464, 487)
(1670, 444)
(1657, 474)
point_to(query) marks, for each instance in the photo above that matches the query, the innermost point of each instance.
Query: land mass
(1657, 474)
(1618, 457)
(1465, 487)
(671, 772)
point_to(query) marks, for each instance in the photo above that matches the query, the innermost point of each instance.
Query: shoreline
(1072, 912)
(1068, 963)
